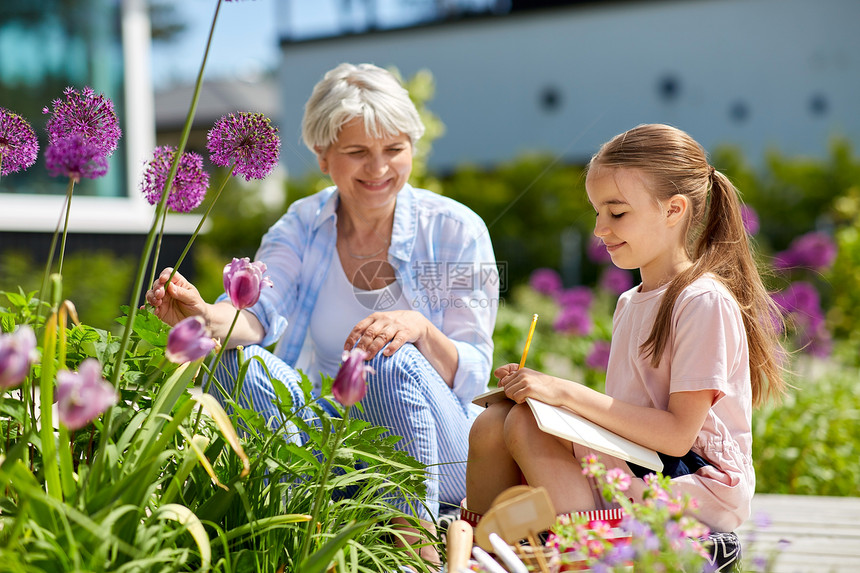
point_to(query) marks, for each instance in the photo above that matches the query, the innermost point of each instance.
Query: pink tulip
(82, 396)
(244, 280)
(188, 341)
(350, 385)
(17, 353)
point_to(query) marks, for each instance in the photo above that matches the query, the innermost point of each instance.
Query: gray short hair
(364, 91)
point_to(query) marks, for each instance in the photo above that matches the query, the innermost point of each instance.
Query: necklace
(363, 257)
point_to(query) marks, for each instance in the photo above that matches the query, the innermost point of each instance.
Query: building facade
(758, 74)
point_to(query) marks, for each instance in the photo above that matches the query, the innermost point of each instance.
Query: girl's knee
(488, 427)
(519, 428)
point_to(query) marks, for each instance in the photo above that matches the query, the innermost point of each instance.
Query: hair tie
(711, 171)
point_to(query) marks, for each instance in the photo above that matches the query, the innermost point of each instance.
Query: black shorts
(673, 466)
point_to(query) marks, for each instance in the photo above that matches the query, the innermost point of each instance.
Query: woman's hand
(394, 328)
(177, 300)
(520, 384)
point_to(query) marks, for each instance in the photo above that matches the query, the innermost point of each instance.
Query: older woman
(371, 262)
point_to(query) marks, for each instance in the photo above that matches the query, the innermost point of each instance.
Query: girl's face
(368, 171)
(638, 230)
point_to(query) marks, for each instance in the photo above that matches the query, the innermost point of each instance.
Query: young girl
(694, 346)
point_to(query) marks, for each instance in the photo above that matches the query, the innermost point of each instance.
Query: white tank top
(339, 308)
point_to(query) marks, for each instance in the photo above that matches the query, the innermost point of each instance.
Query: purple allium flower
(19, 147)
(577, 296)
(88, 115)
(750, 219)
(189, 184)
(249, 140)
(596, 251)
(82, 396)
(598, 358)
(813, 250)
(820, 344)
(75, 157)
(188, 341)
(801, 300)
(545, 281)
(615, 280)
(573, 320)
(244, 280)
(17, 353)
(350, 386)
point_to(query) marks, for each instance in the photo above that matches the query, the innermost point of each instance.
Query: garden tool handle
(459, 545)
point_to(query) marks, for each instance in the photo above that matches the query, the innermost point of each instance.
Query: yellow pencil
(528, 340)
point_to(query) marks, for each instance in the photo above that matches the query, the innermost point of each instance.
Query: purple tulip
(17, 353)
(82, 396)
(188, 341)
(244, 280)
(546, 281)
(350, 385)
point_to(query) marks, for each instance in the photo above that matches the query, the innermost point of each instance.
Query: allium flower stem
(64, 216)
(199, 226)
(154, 267)
(98, 464)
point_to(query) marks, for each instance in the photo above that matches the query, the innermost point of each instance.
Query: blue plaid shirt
(441, 253)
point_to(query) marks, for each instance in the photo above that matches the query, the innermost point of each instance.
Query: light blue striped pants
(405, 394)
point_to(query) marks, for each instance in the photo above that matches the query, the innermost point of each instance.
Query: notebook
(565, 424)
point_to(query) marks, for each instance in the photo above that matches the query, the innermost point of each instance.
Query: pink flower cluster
(656, 534)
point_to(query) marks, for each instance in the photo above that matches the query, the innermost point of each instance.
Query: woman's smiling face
(368, 171)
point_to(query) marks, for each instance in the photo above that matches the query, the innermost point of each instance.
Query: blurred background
(516, 95)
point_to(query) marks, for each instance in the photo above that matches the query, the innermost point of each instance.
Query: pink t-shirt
(707, 350)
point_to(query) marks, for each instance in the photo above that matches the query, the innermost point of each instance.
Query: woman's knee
(405, 373)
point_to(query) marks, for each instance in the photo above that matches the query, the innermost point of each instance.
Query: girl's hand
(174, 301)
(394, 328)
(520, 384)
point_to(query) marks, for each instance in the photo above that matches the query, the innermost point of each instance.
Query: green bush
(97, 282)
(809, 444)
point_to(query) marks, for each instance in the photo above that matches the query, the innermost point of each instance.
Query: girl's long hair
(717, 242)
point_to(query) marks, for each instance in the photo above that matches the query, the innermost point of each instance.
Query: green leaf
(319, 561)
